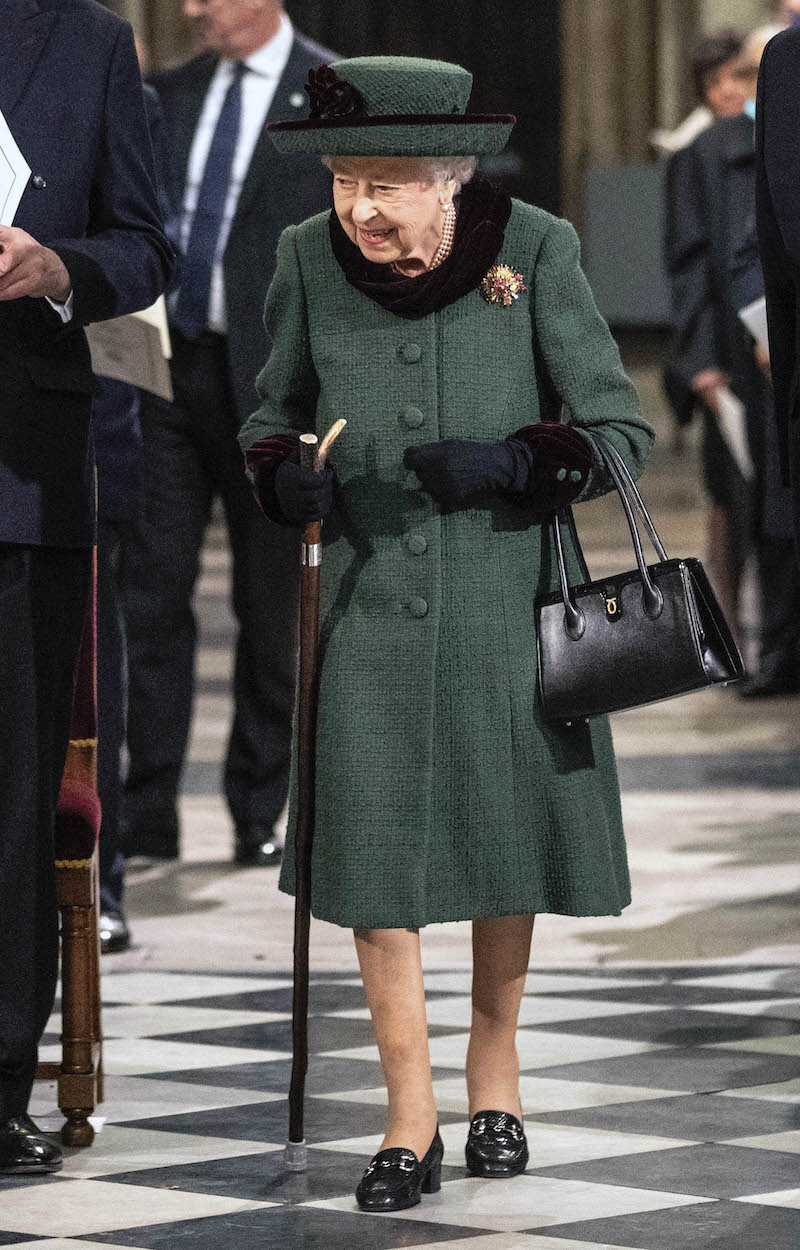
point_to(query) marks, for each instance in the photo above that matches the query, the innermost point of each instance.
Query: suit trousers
(191, 455)
(43, 593)
(111, 698)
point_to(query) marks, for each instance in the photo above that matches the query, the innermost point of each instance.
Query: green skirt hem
(590, 911)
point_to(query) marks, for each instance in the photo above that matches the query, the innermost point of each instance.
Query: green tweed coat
(440, 793)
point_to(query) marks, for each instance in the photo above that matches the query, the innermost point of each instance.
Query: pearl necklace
(445, 246)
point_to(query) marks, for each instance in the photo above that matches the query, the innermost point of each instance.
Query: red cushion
(77, 820)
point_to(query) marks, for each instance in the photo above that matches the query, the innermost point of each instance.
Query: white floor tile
(66, 1243)
(789, 1044)
(101, 1206)
(128, 1149)
(159, 1019)
(783, 1198)
(539, 1095)
(458, 1010)
(527, 1202)
(783, 1091)
(788, 1142)
(778, 979)
(124, 1056)
(171, 987)
(781, 1008)
(537, 1049)
(138, 1098)
(550, 1144)
(507, 1241)
(535, 982)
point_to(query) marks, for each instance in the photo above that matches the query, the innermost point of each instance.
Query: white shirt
(264, 70)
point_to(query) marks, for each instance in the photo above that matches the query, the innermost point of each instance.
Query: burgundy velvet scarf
(483, 212)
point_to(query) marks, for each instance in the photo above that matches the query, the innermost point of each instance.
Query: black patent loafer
(24, 1150)
(496, 1145)
(115, 936)
(396, 1178)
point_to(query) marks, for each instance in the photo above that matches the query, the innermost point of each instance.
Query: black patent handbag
(630, 639)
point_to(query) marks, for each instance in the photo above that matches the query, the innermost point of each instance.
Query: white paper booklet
(14, 174)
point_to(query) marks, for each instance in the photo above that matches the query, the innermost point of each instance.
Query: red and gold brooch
(502, 285)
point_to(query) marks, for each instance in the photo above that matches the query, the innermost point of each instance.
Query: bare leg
(391, 969)
(500, 953)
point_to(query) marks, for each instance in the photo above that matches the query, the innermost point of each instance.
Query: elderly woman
(448, 324)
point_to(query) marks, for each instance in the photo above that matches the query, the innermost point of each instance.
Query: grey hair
(437, 169)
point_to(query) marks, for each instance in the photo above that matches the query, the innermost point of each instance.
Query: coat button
(418, 607)
(411, 352)
(39, 182)
(413, 417)
(417, 544)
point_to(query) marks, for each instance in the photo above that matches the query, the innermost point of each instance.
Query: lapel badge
(297, 99)
(502, 285)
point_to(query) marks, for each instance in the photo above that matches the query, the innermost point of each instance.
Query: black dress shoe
(496, 1145)
(115, 936)
(395, 1178)
(257, 847)
(24, 1150)
(778, 675)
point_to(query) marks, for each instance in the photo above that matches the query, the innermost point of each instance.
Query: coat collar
(24, 30)
(739, 139)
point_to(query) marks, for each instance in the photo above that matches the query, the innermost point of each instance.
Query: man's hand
(28, 268)
(707, 383)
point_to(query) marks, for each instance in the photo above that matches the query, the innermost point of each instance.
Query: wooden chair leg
(76, 1085)
(97, 1024)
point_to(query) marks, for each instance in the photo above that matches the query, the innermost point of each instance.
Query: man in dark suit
(778, 218)
(237, 195)
(86, 244)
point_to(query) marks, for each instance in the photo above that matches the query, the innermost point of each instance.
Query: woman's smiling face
(390, 208)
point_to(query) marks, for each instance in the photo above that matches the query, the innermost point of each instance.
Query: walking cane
(296, 1157)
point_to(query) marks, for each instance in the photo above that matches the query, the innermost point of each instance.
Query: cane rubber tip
(296, 1156)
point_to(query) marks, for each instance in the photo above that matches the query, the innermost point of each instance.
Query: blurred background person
(778, 184)
(117, 437)
(235, 201)
(709, 200)
(719, 92)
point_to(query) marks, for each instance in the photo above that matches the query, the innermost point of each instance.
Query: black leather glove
(459, 470)
(302, 494)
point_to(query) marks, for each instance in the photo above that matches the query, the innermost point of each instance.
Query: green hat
(392, 106)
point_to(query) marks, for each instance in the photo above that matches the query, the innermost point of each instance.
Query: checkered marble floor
(661, 1105)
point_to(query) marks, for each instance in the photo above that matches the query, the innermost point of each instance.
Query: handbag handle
(652, 599)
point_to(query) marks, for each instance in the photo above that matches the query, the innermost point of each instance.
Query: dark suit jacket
(278, 191)
(71, 93)
(778, 217)
(709, 198)
(116, 428)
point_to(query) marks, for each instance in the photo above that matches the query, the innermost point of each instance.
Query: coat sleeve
(287, 386)
(582, 359)
(688, 261)
(124, 261)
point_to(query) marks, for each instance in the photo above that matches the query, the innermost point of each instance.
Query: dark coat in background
(92, 199)
(277, 189)
(778, 201)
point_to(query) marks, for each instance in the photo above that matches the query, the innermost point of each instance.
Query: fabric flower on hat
(332, 96)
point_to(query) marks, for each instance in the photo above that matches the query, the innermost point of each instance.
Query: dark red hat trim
(398, 119)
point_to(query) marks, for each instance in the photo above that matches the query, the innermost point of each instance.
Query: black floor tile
(276, 1228)
(703, 1226)
(758, 770)
(324, 1033)
(679, 1027)
(671, 994)
(695, 1117)
(13, 1239)
(708, 1170)
(325, 1075)
(323, 998)
(689, 1069)
(325, 1120)
(264, 1178)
